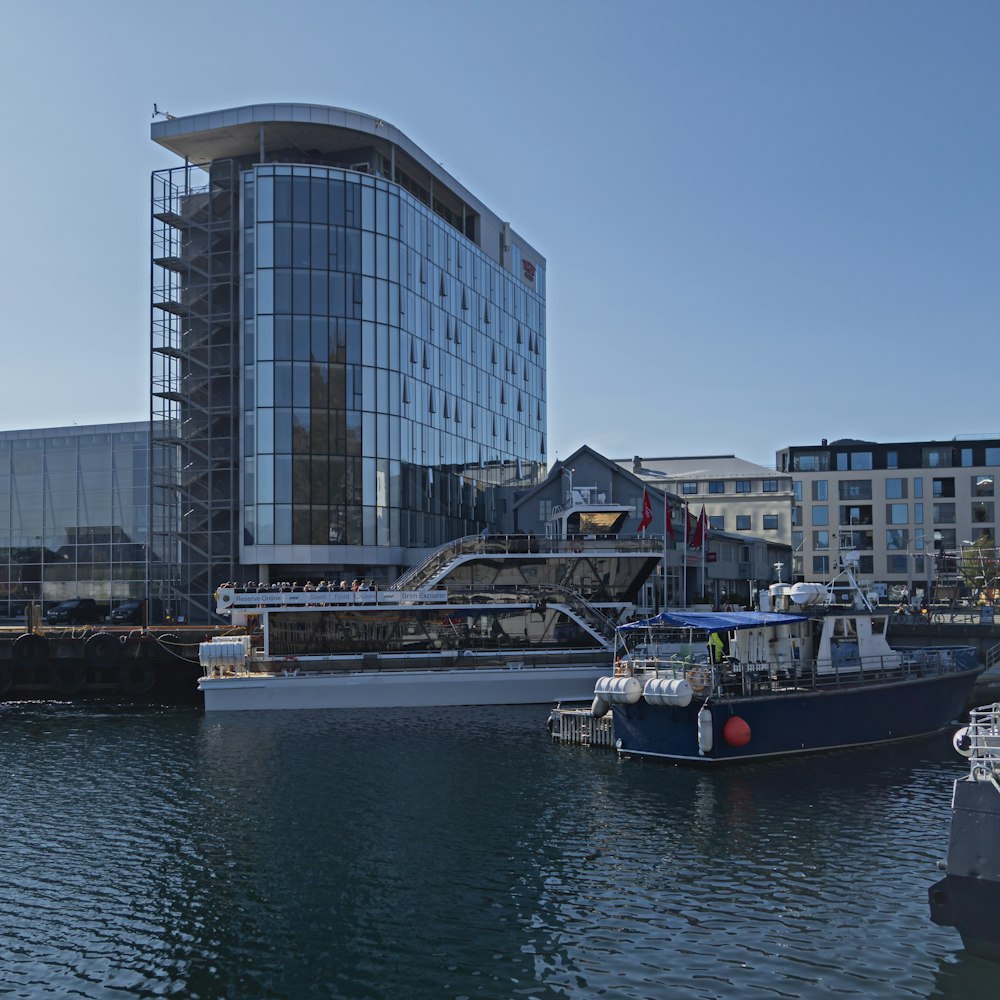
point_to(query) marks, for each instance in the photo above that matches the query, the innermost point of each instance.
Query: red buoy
(736, 732)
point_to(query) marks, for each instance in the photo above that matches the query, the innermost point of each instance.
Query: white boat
(398, 648)
(484, 620)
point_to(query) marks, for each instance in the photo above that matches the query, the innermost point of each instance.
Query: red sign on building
(529, 270)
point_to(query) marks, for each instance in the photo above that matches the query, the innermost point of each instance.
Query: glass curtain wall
(392, 372)
(73, 515)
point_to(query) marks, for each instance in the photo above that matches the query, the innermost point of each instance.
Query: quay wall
(150, 666)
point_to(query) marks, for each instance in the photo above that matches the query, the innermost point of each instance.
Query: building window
(770, 486)
(856, 540)
(918, 513)
(820, 490)
(771, 522)
(897, 538)
(742, 485)
(992, 456)
(980, 533)
(895, 489)
(797, 489)
(821, 565)
(866, 564)
(966, 458)
(742, 522)
(944, 513)
(797, 539)
(855, 515)
(944, 538)
(897, 513)
(716, 486)
(982, 511)
(797, 514)
(842, 461)
(821, 539)
(855, 489)
(717, 522)
(820, 515)
(689, 488)
(937, 458)
(918, 486)
(815, 461)
(892, 459)
(944, 487)
(895, 563)
(982, 486)
(861, 461)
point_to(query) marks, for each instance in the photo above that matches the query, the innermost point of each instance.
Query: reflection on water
(457, 853)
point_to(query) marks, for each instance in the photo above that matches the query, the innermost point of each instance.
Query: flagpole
(666, 517)
(684, 559)
(704, 545)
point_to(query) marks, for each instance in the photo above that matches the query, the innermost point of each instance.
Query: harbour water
(457, 853)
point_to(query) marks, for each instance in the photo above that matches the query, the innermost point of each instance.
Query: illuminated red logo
(529, 270)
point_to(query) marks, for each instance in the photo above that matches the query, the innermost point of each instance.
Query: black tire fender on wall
(30, 649)
(103, 650)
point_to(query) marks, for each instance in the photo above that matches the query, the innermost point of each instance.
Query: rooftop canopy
(714, 621)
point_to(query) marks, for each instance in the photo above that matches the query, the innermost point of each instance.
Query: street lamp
(569, 475)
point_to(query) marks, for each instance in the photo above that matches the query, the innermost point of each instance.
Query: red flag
(700, 530)
(669, 515)
(647, 512)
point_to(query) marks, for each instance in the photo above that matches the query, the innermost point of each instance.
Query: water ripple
(454, 854)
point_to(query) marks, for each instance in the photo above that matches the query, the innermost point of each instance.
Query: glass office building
(349, 351)
(74, 506)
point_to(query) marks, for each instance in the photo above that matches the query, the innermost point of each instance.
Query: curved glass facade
(392, 370)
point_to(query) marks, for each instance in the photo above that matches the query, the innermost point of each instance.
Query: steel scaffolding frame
(194, 382)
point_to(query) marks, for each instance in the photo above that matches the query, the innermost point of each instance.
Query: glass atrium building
(74, 507)
(349, 352)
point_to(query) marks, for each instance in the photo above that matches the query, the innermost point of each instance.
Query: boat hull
(968, 897)
(791, 722)
(405, 688)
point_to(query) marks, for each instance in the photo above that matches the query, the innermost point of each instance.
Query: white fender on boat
(962, 742)
(599, 707)
(224, 654)
(668, 691)
(705, 730)
(618, 690)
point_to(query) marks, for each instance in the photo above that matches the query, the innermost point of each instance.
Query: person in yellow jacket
(716, 647)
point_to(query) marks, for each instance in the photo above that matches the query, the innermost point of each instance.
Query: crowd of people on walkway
(294, 587)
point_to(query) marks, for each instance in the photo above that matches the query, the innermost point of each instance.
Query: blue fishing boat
(811, 670)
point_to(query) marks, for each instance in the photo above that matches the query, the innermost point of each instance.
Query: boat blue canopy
(715, 621)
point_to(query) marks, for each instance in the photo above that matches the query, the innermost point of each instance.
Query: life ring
(67, 676)
(697, 677)
(30, 650)
(136, 676)
(102, 650)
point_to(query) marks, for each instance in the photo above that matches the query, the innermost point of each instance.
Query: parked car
(127, 613)
(76, 611)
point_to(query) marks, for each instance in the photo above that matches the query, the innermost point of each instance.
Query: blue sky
(765, 222)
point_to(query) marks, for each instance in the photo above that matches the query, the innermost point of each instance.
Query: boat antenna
(777, 569)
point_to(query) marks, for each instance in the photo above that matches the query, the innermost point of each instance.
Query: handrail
(993, 656)
(514, 544)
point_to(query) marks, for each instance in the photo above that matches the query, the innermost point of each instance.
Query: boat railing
(749, 678)
(983, 733)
